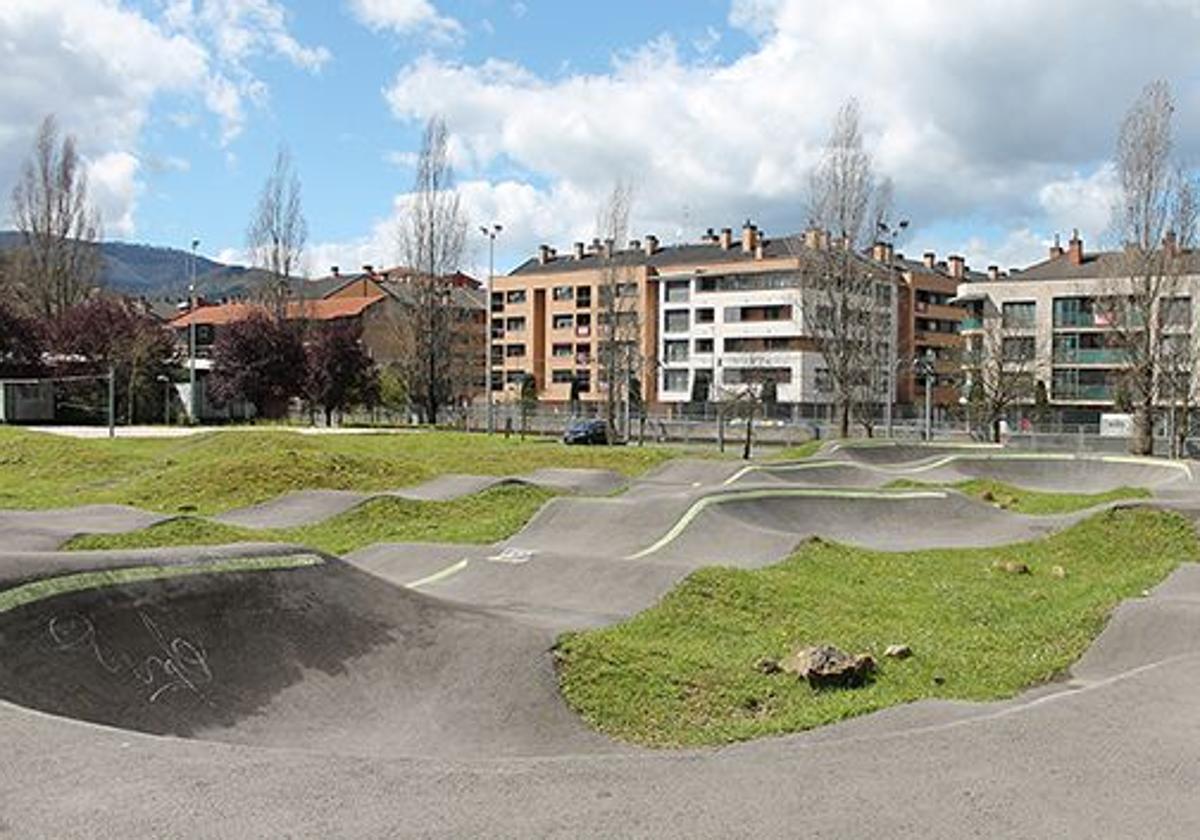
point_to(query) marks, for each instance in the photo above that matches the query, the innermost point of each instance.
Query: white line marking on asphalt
(442, 575)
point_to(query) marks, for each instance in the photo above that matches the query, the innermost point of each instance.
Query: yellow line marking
(450, 570)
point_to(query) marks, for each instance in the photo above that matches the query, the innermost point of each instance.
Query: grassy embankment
(214, 472)
(683, 672)
(484, 517)
(1033, 502)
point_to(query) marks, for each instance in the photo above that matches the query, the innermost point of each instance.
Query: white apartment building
(1056, 314)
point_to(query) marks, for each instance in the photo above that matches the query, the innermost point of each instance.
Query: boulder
(825, 666)
(898, 651)
(1058, 572)
(1012, 567)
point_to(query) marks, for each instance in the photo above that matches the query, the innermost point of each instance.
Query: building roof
(314, 310)
(665, 257)
(1101, 264)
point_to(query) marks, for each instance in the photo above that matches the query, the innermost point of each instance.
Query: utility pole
(490, 231)
(893, 317)
(112, 401)
(192, 334)
(927, 370)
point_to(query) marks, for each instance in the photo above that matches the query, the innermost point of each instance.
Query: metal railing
(1091, 356)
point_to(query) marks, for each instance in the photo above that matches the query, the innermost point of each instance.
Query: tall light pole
(491, 232)
(926, 365)
(192, 333)
(893, 326)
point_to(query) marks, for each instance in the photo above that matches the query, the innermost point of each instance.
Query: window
(677, 291)
(514, 377)
(1176, 312)
(704, 345)
(705, 315)
(563, 293)
(749, 282)
(561, 351)
(773, 312)
(515, 325)
(583, 325)
(627, 290)
(583, 379)
(757, 375)
(562, 377)
(516, 296)
(675, 321)
(676, 351)
(583, 297)
(1021, 315)
(583, 354)
(497, 301)
(780, 343)
(514, 351)
(204, 334)
(823, 381)
(563, 322)
(675, 381)
(1021, 349)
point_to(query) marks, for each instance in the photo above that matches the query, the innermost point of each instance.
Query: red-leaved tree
(259, 360)
(340, 371)
(20, 343)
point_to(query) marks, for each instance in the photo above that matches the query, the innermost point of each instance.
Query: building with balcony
(1063, 315)
(703, 319)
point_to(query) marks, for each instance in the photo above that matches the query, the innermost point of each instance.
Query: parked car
(586, 432)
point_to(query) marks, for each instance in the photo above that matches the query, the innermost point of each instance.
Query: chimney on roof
(882, 252)
(812, 238)
(608, 248)
(749, 237)
(993, 272)
(957, 266)
(710, 236)
(726, 239)
(578, 247)
(635, 244)
(1056, 250)
(595, 245)
(929, 258)
(369, 270)
(1075, 249)
(543, 254)
(1170, 243)
(335, 271)
(823, 240)
(651, 244)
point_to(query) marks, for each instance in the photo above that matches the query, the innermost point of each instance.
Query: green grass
(484, 517)
(1033, 502)
(218, 471)
(798, 452)
(682, 672)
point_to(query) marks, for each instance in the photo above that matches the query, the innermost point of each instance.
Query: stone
(824, 666)
(898, 651)
(1058, 572)
(1012, 567)
(768, 666)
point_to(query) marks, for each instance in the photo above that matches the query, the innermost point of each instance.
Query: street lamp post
(490, 231)
(925, 364)
(892, 349)
(192, 334)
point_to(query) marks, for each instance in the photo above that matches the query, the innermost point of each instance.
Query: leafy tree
(340, 372)
(109, 332)
(20, 343)
(260, 360)
(393, 390)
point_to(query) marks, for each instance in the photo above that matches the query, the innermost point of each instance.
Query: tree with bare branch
(1155, 219)
(431, 238)
(619, 319)
(999, 365)
(846, 297)
(58, 262)
(278, 231)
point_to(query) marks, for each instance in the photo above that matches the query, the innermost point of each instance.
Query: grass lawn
(1033, 502)
(213, 472)
(683, 672)
(798, 452)
(480, 518)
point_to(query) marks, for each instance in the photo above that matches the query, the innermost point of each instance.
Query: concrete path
(408, 690)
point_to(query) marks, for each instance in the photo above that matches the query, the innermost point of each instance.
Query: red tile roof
(329, 309)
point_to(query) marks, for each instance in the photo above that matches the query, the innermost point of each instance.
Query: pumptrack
(418, 681)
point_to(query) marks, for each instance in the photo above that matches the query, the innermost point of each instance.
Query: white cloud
(405, 17)
(985, 114)
(101, 64)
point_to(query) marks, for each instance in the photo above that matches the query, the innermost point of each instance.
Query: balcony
(1090, 356)
(1019, 324)
(971, 324)
(1084, 393)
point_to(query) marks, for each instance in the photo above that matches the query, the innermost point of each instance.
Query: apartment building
(1058, 317)
(707, 318)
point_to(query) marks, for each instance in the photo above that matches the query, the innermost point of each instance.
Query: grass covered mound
(683, 672)
(217, 471)
(1033, 502)
(484, 517)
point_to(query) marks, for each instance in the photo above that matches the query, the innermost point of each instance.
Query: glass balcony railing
(1090, 356)
(1019, 324)
(970, 324)
(1088, 393)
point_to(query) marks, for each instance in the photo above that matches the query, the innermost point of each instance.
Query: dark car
(586, 432)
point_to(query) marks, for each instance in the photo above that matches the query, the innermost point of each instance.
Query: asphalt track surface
(409, 690)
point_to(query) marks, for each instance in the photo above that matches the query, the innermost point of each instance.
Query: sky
(995, 119)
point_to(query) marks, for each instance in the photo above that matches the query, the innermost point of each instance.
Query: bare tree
(1155, 218)
(845, 295)
(431, 238)
(1000, 369)
(59, 261)
(619, 320)
(278, 231)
